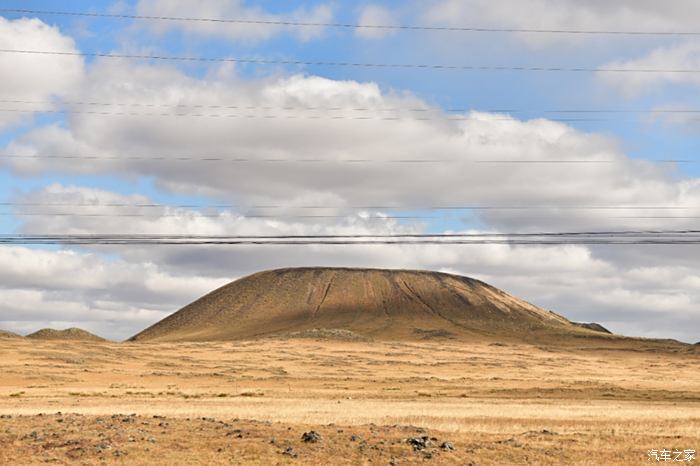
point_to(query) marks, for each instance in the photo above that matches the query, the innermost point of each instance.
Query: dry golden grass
(499, 404)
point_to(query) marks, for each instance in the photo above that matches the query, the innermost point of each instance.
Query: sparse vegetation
(478, 398)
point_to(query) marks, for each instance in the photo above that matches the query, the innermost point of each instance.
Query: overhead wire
(404, 207)
(281, 117)
(687, 237)
(413, 66)
(395, 27)
(255, 160)
(684, 237)
(335, 108)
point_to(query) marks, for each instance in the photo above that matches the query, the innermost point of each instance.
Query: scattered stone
(100, 447)
(447, 446)
(311, 437)
(119, 453)
(356, 438)
(290, 452)
(419, 443)
(511, 441)
(152, 440)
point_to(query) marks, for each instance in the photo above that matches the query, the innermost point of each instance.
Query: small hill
(374, 304)
(68, 334)
(6, 334)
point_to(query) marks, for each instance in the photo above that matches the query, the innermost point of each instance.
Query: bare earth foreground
(250, 402)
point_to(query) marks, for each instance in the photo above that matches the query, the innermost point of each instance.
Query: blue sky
(586, 282)
(531, 95)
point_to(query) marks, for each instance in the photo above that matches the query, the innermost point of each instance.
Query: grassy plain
(250, 402)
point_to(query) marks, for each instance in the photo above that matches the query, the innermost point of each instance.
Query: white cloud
(26, 77)
(254, 31)
(65, 288)
(349, 120)
(679, 57)
(582, 282)
(591, 15)
(375, 15)
(575, 280)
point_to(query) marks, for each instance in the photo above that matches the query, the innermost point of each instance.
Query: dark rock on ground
(311, 437)
(419, 443)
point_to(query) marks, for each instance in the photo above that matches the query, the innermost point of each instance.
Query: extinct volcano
(377, 304)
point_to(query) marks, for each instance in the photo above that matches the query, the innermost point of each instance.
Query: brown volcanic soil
(68, 334)
(378, 304)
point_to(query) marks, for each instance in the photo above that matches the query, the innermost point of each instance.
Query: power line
(444, 213)
(363, 218)
(218, 215)
(247, 160)
(348, 25)
(177, 158)
(689, 237)
(426, 109)
(426, 207)
(592, 233)
(280, 117)
(415, 66)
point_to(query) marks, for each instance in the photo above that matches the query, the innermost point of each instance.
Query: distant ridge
(373, 303)
(68, 334)
(593, 326)
(6, 334)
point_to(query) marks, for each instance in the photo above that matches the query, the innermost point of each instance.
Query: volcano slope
(378, 304)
